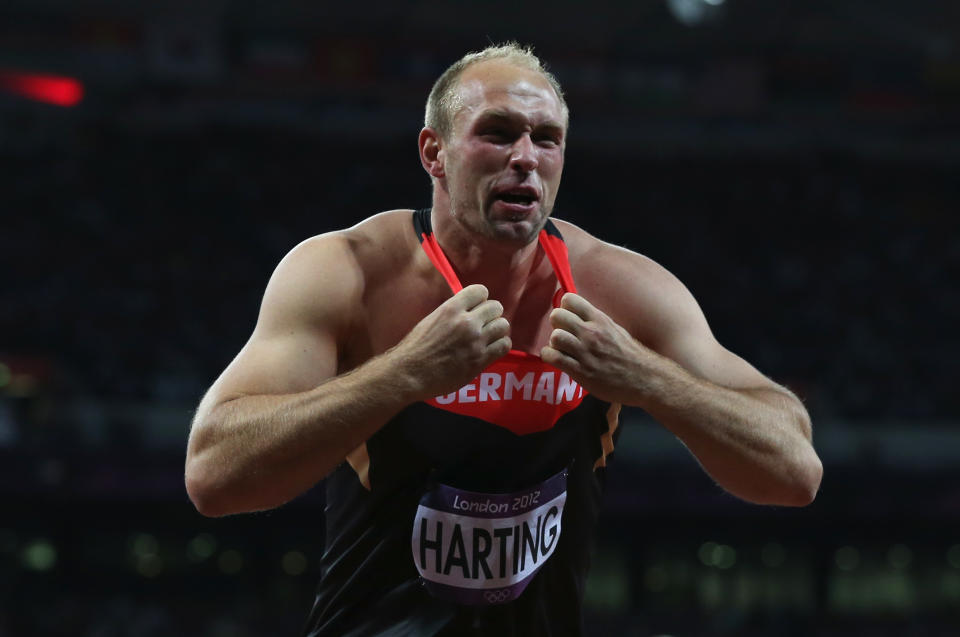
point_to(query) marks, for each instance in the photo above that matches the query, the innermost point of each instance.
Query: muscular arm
(751, 435)
(279, 418)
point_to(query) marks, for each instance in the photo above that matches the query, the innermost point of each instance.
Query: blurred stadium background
(795, 163)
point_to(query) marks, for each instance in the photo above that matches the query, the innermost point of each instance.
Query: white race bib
(484, 548)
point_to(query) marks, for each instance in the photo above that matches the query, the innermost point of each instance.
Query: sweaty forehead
(503, 86)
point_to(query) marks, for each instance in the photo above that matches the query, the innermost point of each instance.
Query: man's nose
(524, 154)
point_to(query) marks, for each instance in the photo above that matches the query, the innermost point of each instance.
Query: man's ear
(431, 152)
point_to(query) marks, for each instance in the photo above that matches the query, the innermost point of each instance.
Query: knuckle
(476, 335)
(464, 322)
(591, 334)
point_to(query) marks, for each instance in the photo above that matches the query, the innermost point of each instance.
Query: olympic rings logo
(498, 596)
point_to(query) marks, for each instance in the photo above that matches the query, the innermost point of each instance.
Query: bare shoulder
(322, 279)
(655, 307)
(384, 242)
(632, 288)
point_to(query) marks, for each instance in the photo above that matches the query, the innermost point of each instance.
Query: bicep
(684, 336)
(695, 349)
(295, 344)
(278, 363)
(662, 313)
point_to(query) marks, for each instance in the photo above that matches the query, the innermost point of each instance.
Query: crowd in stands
(135, 262)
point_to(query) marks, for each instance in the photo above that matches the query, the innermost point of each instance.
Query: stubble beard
(519, 233)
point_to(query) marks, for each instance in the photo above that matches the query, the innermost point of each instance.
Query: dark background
(794, 163)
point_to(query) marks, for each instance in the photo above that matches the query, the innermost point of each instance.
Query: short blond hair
(443, 102)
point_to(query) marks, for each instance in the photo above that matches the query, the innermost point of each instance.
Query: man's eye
(496, 134)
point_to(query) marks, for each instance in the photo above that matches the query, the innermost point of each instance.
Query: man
(464, 431)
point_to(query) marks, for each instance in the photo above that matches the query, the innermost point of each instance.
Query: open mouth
(517, 198)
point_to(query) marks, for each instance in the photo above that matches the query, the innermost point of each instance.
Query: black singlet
(470, 514)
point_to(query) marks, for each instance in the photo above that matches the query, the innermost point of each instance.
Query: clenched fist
(450, 346)
(598, 353)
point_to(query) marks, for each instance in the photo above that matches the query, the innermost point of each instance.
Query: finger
(471, 296)
(488, 311)
(496, 329)
(564, 341)
(561, 361)
(578, 305)
(499, 348)
(565, 319)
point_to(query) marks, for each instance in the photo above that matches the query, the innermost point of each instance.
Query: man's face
(504, 156)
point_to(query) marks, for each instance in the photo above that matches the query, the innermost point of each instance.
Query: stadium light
(693, 13)
(50, 89)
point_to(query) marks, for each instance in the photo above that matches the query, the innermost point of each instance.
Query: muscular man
(456, 375)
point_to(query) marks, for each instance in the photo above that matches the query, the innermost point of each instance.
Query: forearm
(257, 452)
(754, 442)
